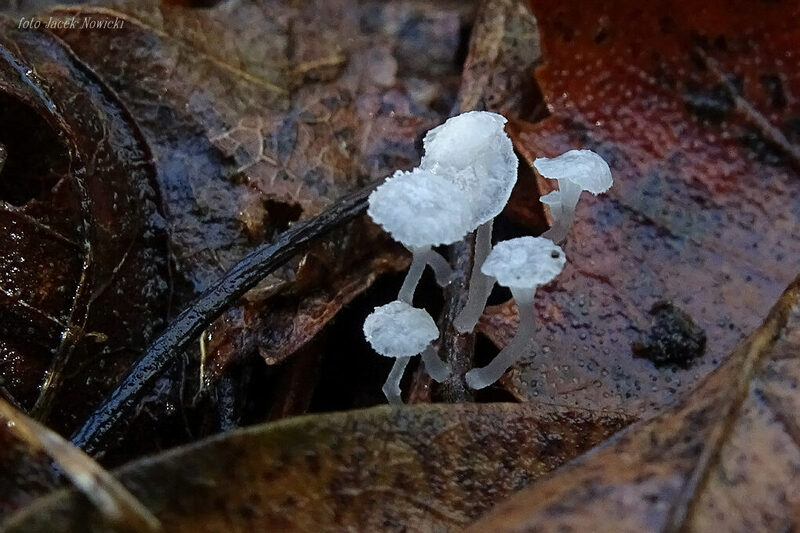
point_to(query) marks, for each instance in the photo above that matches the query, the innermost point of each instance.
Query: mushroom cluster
(463, 182)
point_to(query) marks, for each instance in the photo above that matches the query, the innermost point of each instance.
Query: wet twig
(456, 349)
(113, 413)
(745, 109)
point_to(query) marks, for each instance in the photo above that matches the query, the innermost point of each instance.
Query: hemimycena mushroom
(576, 171)
(522, 265)
(463, 182)
(401, 331)
(420, 209)
(473, 151)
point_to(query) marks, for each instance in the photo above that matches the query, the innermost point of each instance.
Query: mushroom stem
(480, 285)
(479, 378)
(391, 388)
(421, 257)
(418, 261)
(564, 211)
(440, 266)
(435, 367)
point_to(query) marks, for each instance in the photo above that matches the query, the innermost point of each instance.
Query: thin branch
(114, 412)
(47, 230)
(750, 113)
(456, 349)
(73, 333)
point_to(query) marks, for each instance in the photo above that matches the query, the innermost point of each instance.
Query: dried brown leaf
(416, 468)
(116, 505)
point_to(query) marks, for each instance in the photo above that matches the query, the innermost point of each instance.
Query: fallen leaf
(415, 468)
(259, 114)
(326, 281)
(116, 505)
(705, 209)
(724, 457)
(83, 274)
(25, 473)
(504, 48)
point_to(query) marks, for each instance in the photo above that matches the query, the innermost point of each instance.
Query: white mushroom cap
(525, 262)
(473, 151)
(420, 209)
(582, 167)
(399, 330)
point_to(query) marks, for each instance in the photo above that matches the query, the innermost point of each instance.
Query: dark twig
(458, 350)
(768, 130)
(114, 411)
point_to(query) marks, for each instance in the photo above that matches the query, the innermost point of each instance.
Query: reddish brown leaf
(705, 208)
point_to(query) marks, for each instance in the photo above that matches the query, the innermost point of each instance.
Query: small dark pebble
(674, 339)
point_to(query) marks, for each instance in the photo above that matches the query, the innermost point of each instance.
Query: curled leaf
(117, 506)
(83, 274)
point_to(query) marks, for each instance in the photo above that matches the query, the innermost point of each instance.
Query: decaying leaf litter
(551, 136)
(703, 217)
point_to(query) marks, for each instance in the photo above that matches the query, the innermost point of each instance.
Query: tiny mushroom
(401, 331)
(420, 209)
(522, 265)
(473, 151)
(576, 171)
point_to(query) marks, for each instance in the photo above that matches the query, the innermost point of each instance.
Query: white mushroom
(576, 171)
(420, 210)
(522, 265)
(473, 151)
(401, 331)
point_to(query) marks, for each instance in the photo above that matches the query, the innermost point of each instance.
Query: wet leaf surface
(420, 468)
(80, 231)
(724, 457)
(324, 284)
(259, 114)
(249, 116)
(705, 209)
(254, 116)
